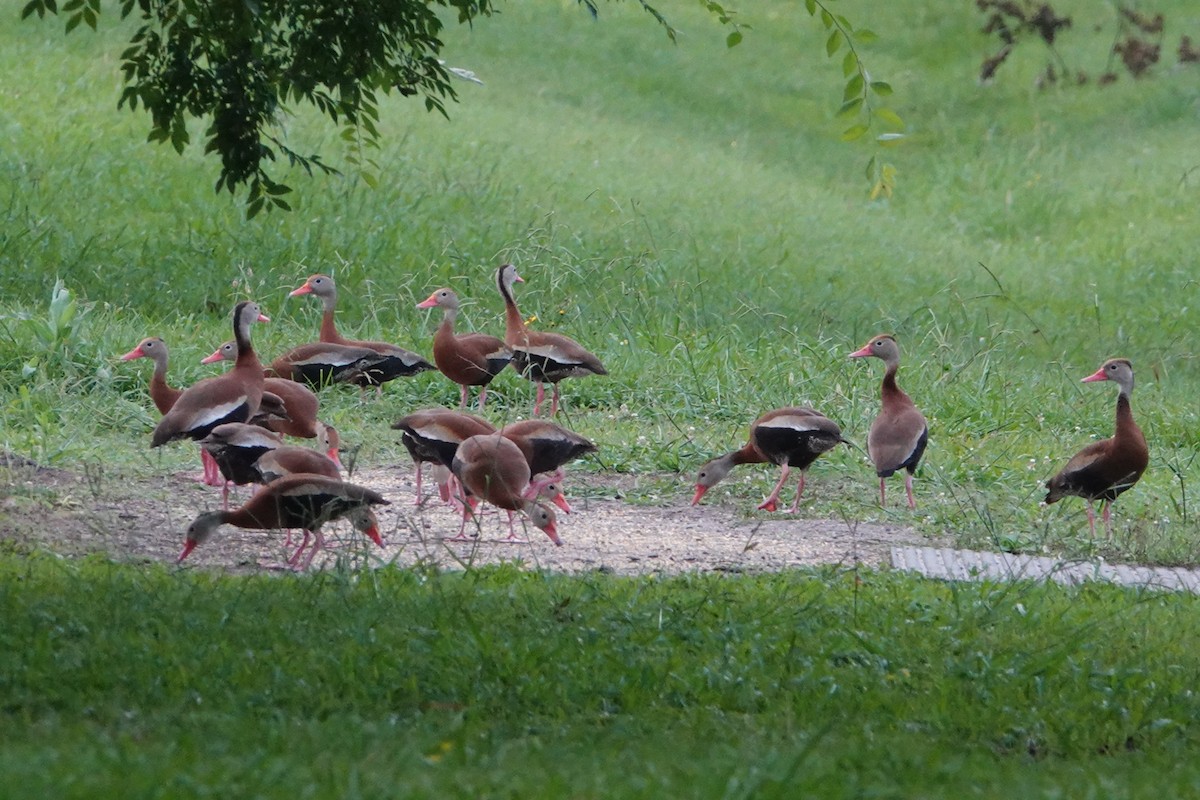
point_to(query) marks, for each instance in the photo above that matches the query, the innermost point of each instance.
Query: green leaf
(826, 18)
(854, 88)
(849, 64)
(854, 132)
(254, 207)
(811, 7)
(733, 39)
(871, 169)
(889, 138)
(881, 88)
(850, 107)
(889, 117)
(834, 42)
(865, 36)
(73, 22)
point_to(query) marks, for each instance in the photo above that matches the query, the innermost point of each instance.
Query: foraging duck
(432, 436)
(547, 447)
(786, 437)
(1105, 469)
(236, 448)
(468, 359)
(232, 397)
(899, 434)
(396, 362)
(295, 501)
(540, 356)
(492, 468)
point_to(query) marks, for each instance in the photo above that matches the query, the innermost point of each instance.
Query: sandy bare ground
(131, 518)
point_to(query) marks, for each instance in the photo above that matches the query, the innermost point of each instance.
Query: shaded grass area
(496, 682)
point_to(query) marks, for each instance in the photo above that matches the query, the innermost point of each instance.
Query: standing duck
(232, 397)
(899, 434)
(155, 349)
(296, 501)
(432, 436)
(786, 437)
(1105, 469)
(299, 403)
(468, 359)
(164, 395)
(396, 363)
(492, 468)
(319, 364)
(539, 356)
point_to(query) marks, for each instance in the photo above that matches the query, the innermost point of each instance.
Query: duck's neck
(890, 390)
(328, 328)
(514, 326)
(748, 454)
(1125, 425)
(247, 359)
(163, 395)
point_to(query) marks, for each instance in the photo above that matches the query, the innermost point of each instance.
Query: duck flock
(240, 420)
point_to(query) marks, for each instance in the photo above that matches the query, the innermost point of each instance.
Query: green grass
(690, 215)
(501, 683)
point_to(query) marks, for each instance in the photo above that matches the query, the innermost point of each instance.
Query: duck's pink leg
(554, 401)
(772, 501)
(318, 545)
(462, 528)
(462, 396)
(799, 491)
(1091, 519)
(908, 488)
(512, 531)
(482, 397)
(420, 497)
(541, 396)
(883, 492)
(296, 556)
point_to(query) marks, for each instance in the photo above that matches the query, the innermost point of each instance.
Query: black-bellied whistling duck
(155, 349)
(786, 437)
(468, 359)
(397, 362)
(292, 459)
(899, 434)
(432, 436)
(236, 448)
(164, 395)
(492, 468)
(299, 402)
(232, 397)
(319, 364)
(547, 446)
(295, 501)
(1105, 469)
(540, 356)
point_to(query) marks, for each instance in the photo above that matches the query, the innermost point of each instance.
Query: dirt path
(134, 518)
